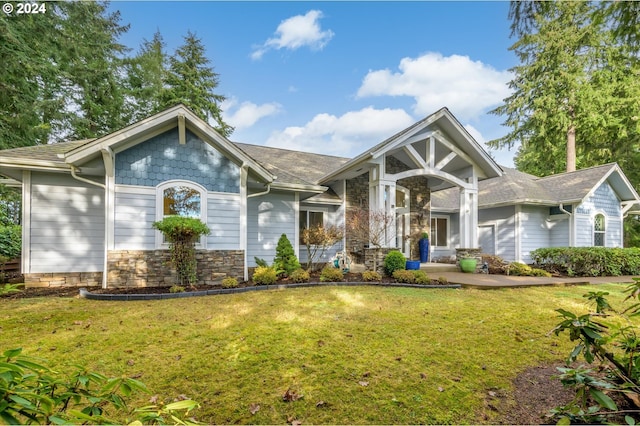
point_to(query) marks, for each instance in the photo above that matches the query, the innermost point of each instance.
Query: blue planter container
(413, 265)
(423, 246)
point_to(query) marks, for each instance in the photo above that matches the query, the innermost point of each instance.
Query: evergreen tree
(576, 93)
(91, 64)
(191, 80)
(285, 261)
(145, 74)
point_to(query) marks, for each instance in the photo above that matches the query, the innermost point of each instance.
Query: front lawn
(355, 354)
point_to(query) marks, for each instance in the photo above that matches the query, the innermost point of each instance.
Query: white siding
(268, 217)
(66, 225)
(223, 218)
(135, 211)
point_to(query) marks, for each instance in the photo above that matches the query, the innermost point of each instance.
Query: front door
(403, 230)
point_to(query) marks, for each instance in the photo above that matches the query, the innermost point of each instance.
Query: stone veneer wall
(150, 268)
(474, 253)
(63, 279)
(357, 198)
(370, 255)
(146, 268)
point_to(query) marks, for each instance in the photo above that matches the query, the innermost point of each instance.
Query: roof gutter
(74, 169)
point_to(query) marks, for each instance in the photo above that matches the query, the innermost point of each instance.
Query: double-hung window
(310, 219)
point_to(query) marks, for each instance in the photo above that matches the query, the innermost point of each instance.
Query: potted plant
(423, 246)
(468, 264)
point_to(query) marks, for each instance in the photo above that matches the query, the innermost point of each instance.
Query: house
(88, 205)
(519, 212)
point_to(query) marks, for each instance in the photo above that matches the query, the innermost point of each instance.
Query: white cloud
(246, 114)
(468, 88)
(347, 135)
(296, 32)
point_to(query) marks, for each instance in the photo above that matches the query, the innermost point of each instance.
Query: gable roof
(516, 187)
(443, 120)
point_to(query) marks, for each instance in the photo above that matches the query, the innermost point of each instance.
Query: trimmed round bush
(299, 276)
(331, 274)
(229, 282)
(371, 276)
(264, 276)
(394, 261)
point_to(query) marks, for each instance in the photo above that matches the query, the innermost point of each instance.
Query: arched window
(180, 198)
(599, 224)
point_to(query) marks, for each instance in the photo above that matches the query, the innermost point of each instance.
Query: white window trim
(448, 218)
(160, 208)
(305, 210)
(604, 233)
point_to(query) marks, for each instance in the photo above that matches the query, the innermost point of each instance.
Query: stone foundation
(146, 268)
(151, 268)
(63, 279)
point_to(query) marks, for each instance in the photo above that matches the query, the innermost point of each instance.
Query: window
(181, 201)
(598, 230)
(310, 219)
(439, 232)
(180, 198)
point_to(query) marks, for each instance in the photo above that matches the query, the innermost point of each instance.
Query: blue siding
(603, 200)
(534, 230)
(162, 158)
(134, 214)
(559, 232)
(66, 225)
(269, 216)
(223, 218)
(334, 215)
(504, 219)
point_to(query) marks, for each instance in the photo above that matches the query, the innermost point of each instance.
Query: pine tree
(191, 81)
(285, 261)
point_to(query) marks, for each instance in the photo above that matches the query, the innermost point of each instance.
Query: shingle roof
(516, 187)
(294, 167)
(49, 153)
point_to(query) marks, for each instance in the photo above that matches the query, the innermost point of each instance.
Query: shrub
(285, 261)
(331, 274)
(519, 269)
(10, 241)
(404, 276)
(229, 282)
(421, 277)
(589, 261)
(182, 233)
(32, 393)
(10, 288)
(264, 275)
(176, 289)
(299, 276)
(394, 261)
(371, 276)
(443, 280)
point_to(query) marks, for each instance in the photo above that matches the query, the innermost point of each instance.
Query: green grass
(357, 354)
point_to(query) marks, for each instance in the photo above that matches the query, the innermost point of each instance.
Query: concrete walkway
(488, 281)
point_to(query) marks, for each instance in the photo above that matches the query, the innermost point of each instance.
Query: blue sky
(339, 77)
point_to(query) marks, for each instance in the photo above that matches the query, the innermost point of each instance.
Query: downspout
(244, 172)
(571, 233)
(257, 194)
(74, 169)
